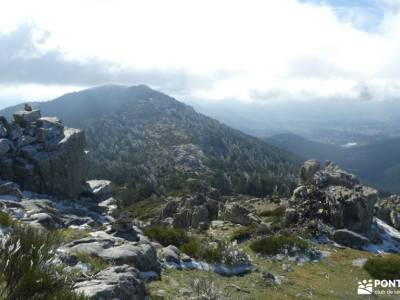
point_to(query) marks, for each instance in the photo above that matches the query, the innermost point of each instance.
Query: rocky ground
(198, 246)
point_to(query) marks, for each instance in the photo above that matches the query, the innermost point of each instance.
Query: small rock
(171, 254)
(359, 262)
(270, 278)
(185, 292)
(287, 268)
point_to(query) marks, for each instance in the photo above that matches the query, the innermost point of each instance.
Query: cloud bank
(278, 50)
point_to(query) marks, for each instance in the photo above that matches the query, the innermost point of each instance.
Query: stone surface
(3, 130)
(350, 238)
(170, 254)
(10, 188)
(43, 156)
(23, 118)
(5, 146)
(307, 171)
(192, 211)
(238, 214)
(331, 200)
(142, 256)
(99, 189)
(388, 210)
(118, 282)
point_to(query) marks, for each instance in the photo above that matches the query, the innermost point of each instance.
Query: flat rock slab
(119, 282)
(26, 117)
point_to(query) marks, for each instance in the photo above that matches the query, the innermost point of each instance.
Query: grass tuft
(166, 236)
(387, 267)
(276, 244)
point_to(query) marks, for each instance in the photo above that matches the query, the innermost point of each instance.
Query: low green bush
(5, 220)
(387, 267)
(276, 244)
(144, 210)
(217, 252)
(166, 236)
(192, 247)
(243, 233)
(277, 212)
(27, 267)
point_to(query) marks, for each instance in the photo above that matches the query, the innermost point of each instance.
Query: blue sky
(364, 14)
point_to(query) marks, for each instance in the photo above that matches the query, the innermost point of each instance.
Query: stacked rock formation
(42, 155)
(333, 197)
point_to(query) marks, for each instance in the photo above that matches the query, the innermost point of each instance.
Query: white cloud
(283, 48)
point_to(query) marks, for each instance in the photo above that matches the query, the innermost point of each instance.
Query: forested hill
(154, 144)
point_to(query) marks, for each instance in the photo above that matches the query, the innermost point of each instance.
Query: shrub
(277, 212)
(5, 220)
(243, 233)
(387, 267)
(215, 252)
(27, 263)
(166, 236)
(211, 252)
(207, 288)
(144, 210)
(191, 247)
(276, 244)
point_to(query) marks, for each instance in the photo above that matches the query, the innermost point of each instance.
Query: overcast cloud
(275, 50)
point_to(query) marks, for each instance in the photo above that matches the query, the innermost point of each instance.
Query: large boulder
(24, 118)
(350, 238)
(49, 128)
(388, 210)
(117, 282)
(307, 171)
(142, 256)
(117, 250)
(99, 189)
(61, 171)
(238, 214)
(89, 246)
(332, 175)
(41, 155)
(192, 211)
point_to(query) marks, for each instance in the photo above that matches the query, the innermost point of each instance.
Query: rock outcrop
(194, 211)
(117, 282)
(388, 210)
(334, 198)
(239, 214)
(41, 155)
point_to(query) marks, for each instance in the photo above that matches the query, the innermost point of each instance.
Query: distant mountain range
(155, 145)
(377, 164)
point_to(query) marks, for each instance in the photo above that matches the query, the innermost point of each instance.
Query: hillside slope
(377, 164)
(153, 144)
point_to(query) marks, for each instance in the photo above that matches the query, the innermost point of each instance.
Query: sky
(250, 50)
